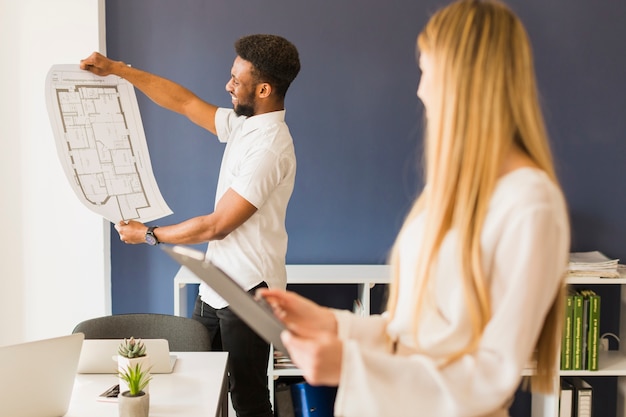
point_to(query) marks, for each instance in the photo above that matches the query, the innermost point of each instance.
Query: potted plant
(134, 402)
(130, 353)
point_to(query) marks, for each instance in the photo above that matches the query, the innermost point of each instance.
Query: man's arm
(231, 212)
(163, 92)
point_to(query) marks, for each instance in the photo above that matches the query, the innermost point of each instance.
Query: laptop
(99, 356)
(37, 378)
(256, 313)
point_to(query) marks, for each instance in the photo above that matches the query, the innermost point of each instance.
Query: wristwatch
(151, 239)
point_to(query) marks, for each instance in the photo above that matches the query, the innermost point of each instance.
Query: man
(246, 231)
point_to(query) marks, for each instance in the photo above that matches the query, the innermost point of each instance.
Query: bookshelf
(364, 277)
(612, 363)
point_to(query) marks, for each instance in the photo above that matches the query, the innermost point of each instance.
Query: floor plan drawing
(102, 145)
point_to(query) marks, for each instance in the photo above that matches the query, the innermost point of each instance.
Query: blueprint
(102, 145)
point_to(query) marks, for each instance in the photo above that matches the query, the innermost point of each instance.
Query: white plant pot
(124, 363)
(138, 406)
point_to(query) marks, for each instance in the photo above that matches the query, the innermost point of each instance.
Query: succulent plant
(136, 378)
(132, 348)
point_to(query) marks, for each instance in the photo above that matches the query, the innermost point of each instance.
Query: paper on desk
(102, 145)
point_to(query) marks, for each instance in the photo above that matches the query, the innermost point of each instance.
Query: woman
(478, 266)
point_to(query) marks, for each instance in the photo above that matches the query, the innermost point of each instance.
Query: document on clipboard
(256, 313)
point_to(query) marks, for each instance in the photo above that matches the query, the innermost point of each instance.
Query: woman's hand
(319, 357)
(311, 335)
(300, 315)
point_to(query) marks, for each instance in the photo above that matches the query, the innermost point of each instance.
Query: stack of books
(581, 331)
(593, 264)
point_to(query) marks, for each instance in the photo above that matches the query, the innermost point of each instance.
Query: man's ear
(264, 90)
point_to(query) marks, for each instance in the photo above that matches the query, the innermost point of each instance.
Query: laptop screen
(37, 377)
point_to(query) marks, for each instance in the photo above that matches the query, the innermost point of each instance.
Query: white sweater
(525, 248)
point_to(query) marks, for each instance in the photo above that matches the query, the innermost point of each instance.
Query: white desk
(197, 388)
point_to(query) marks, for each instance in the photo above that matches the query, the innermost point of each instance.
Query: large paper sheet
(102, 145)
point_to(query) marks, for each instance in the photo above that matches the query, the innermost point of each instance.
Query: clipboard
(256, 313)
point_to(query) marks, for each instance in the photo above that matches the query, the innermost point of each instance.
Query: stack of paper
(592, 264)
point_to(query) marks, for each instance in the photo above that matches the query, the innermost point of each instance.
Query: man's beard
(243, 109)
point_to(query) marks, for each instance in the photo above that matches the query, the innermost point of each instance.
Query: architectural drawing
(102, 145)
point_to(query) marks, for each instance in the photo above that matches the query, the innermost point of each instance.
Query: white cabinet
(610, 363)
(365, 277)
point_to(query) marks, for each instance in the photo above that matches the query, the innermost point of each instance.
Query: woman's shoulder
(528, 196)
(528, 186)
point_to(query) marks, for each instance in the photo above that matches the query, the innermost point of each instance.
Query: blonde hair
(485, 82)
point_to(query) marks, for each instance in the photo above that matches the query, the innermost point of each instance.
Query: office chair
(183, 334)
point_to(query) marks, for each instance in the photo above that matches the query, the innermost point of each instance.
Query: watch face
(150, 239)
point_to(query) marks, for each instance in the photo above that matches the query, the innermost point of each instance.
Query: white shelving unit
(611, 363)
(365, 277)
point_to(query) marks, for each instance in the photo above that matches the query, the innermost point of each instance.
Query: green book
(566, 339)
(577, 330)
(585, 332)
(593, 335)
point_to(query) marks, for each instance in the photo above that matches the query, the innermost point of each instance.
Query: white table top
(194, 389)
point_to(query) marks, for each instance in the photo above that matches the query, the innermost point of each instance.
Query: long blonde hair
(488, 103)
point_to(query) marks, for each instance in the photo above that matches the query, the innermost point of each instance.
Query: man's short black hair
(274, 58)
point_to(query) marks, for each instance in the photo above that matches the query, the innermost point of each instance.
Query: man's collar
(256, 121)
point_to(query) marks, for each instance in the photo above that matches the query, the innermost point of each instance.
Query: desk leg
(222, 410)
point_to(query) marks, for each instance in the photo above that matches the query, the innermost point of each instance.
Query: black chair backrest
(183, 334)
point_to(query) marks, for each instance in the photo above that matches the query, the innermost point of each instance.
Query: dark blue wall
(352, 111)
(356, 121)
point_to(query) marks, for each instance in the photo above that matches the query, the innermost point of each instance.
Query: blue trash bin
(313, 401)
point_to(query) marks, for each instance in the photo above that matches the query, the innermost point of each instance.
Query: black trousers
(248, 356)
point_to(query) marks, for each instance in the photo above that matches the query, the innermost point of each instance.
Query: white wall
(54, 252)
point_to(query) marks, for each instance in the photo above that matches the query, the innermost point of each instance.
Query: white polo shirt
(259, 164)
